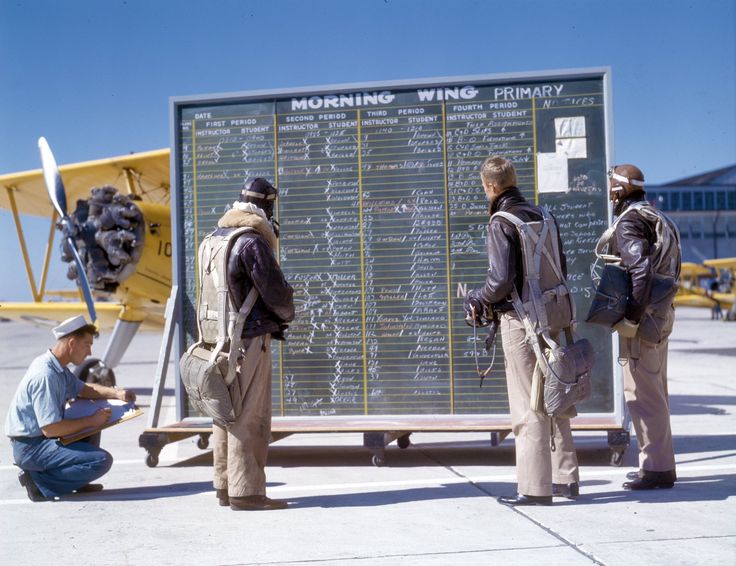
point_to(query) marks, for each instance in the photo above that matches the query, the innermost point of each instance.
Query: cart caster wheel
(403, 442)
(378, 461)
(203, 442)
(617, 458)
(151, 460)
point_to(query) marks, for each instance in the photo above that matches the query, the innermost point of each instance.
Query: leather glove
(473, 310)
(279, 334)
(626, 328)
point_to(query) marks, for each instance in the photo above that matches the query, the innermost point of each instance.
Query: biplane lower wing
(51, 313)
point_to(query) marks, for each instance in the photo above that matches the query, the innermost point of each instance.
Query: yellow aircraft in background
(693, 293)
(117, 241)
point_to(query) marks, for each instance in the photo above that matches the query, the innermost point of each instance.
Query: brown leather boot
(652, 480)
(520, 499)
(569, 490)
(222, 497)
(256, 503)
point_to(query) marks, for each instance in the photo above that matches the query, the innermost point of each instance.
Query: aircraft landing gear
(93, 371)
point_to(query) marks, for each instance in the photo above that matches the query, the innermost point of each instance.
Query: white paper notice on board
(552, 173)
(572, 148)
(570, 137)
(570, 127)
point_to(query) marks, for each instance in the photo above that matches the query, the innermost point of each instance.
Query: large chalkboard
(383, 224)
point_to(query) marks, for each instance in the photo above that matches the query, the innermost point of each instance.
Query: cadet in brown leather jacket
(645, 363)
(240, 451)
(541, 473)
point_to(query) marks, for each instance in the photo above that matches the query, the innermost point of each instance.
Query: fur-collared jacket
(252, 262)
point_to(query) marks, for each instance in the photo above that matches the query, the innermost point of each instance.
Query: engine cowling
(109, 231)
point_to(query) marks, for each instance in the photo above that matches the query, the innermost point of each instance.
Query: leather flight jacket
(504, 251)
(633, 241)
(252, 261)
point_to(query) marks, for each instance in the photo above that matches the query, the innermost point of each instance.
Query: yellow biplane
(117, 241)
(694, 288)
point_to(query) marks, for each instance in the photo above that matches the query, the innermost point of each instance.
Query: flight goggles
(621, 179)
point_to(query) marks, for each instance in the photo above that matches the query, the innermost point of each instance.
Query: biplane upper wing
(723, 263)
(694, 270)
(145, 174)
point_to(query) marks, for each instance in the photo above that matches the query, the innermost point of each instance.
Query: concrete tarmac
(432, 504)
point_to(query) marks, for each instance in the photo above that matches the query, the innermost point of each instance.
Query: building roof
(717, 177)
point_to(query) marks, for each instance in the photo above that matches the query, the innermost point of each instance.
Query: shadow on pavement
(700, 404)
(700, 488)
(699, 444)
(144, 493)
(469, 454)
(401, 495)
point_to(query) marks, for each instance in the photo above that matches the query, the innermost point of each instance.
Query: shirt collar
(55, 361)
(508, 197)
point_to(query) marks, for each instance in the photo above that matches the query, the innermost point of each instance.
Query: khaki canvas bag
(208, 367)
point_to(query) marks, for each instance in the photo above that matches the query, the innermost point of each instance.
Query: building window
(721, 200)
(675, 200)
(732, 200)
(709, 200)
(687, 197)
(697, 201)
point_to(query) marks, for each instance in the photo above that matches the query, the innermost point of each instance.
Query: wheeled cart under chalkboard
(154, 439)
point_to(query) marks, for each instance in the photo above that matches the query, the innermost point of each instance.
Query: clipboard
(121, 411)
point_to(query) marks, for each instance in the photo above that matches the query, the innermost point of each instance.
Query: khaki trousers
(645, 391)
(240, 452)
(537, 466)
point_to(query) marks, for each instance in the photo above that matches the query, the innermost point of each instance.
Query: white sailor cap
(69, 326)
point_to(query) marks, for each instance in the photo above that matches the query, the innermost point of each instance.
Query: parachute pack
(665, 269)
(547, 311)
(208, 367)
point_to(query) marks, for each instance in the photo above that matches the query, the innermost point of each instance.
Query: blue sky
(95, 77)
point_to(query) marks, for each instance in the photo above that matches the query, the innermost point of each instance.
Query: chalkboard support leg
(498, 436)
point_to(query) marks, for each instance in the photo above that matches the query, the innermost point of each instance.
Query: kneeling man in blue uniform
(36, 420)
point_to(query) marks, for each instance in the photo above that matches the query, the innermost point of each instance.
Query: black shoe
(222, 497)
(520, 499)
(634, 475)
(569, 490)
(256, 503)
(652, 480)
(26, 481)
(90, 488)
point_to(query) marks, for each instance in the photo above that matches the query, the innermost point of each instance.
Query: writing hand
(101, 416)
(127, 395)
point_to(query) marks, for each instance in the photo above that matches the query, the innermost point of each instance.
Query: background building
(704, 208)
